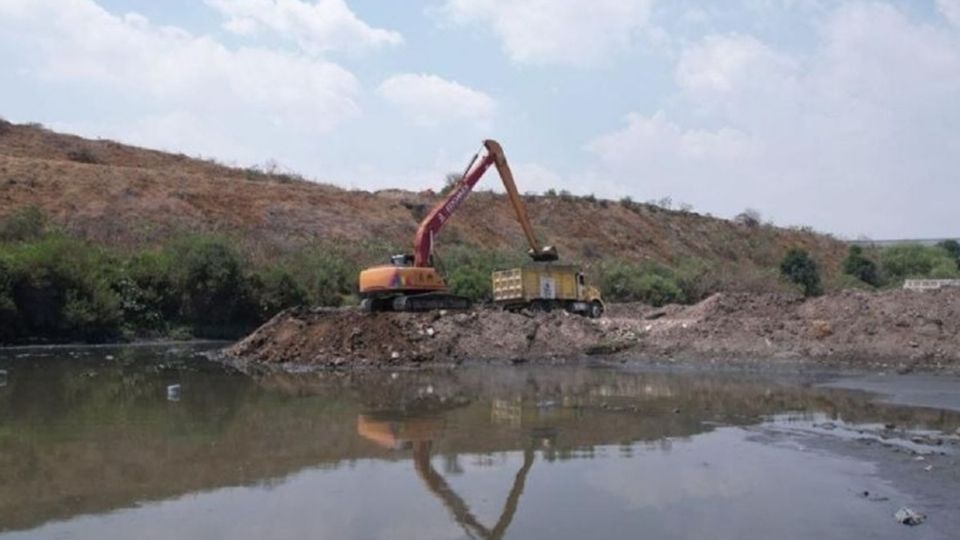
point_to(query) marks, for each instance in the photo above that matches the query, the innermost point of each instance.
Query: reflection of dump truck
(546, 286)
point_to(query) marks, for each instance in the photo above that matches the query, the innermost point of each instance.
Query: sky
(842, 115)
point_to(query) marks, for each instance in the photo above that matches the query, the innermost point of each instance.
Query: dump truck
(545, 287)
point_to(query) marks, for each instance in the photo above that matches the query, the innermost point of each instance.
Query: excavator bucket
(547, 254)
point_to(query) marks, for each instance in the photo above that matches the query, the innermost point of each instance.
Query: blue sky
(841, 115)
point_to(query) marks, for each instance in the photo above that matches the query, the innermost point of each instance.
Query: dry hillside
(127, 196)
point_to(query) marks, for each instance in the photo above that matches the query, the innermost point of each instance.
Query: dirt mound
(904, 329)
(339, 337)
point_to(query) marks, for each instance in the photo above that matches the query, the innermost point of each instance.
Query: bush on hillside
(622, 281)
(952, 247)
(275, 289)
(28, 223)
(800, 268)
(450, 182)
(61, 288)
(859, 266)
(149, 297)
(326, 273)
(206, 272)
(468, 270)
(749, 218)
(8, 308)
(83, 155)
(917, 261)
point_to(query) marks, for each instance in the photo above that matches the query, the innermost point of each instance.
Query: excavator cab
(402, 260)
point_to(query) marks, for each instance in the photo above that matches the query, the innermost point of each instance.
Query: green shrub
(800, 268)
(842, 281)
(697, 279)
(915, 261)
(944, 269)
(148, 295)
(28, 223)
(859, 266)
(326, 273)
(62, 288)
(274, 290)
(621, 281)
(206, 273)
(952, 247)
(9, 317)
(473, 283)
(658, 290)
(468, 270)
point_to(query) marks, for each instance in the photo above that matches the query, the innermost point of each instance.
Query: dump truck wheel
(596, 310)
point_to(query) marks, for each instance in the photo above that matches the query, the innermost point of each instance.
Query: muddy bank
(904, 329)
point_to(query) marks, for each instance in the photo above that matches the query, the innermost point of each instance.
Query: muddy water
(93, 446)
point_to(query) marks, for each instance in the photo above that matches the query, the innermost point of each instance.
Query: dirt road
(902, 329)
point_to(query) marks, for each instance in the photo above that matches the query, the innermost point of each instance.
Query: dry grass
(127, 196)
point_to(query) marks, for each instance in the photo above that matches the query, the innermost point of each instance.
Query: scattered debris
(907, 516)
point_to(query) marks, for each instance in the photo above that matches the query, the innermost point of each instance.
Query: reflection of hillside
(71, 443)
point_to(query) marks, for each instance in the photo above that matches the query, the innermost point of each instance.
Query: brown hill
(127, 196)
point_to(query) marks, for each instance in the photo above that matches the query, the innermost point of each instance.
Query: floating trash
(3, 378)
(173, 392)
(909, 517)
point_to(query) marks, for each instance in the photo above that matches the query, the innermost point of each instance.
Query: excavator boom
(431, 225)
(538, 253)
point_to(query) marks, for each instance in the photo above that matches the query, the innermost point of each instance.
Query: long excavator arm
(431, 225)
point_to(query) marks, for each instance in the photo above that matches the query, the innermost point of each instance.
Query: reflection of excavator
(419, 434)
(410, 282)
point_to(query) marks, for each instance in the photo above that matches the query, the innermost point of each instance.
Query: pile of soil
(905, 328)
(349, 336)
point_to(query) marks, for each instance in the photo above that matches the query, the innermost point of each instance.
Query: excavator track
(418, 302)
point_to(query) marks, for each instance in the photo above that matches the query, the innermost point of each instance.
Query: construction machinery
(412, 283)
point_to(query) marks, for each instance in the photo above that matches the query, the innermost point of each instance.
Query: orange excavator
(411, 282)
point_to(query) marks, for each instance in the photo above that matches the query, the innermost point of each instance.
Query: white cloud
(570, 32)
(951, 10)
(723, 64)
(171, 76)
(652, 157)
(317, 27)
(431, 100)
(856, 136)
(645, 139)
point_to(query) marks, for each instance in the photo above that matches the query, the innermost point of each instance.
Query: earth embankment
(905, 329)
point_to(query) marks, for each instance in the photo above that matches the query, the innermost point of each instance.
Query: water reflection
(84, 436)
(418, 434)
